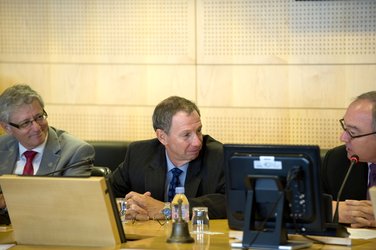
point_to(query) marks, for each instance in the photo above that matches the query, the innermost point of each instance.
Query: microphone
(354, 159)
(74, 165)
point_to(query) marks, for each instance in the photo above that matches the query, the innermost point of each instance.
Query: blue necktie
(175, 182)
(371, 176)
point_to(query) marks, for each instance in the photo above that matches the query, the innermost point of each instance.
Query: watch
(166, 210)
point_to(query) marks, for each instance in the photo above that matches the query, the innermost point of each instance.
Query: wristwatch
(166, 211)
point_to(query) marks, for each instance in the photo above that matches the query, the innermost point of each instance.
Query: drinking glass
(200, 219)
(122, 208)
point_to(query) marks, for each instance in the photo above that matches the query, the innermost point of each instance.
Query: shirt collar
(38, 149)
(170, 165)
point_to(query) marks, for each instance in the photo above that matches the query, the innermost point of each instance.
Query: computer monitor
(275, 179)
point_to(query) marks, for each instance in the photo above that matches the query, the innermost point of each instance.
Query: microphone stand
(74, 165)
(354, 159)
(340, 230)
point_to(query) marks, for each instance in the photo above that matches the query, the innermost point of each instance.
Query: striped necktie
(175, 182)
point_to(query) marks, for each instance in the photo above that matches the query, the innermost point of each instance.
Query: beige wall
(276, 71)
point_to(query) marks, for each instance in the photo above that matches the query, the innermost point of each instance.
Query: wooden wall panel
(283, 86)
(286, 32)
(276, 71)
(274, 125)
(98, 31)
(93, 84)
(103, 122)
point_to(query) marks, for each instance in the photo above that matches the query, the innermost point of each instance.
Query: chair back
(100, 171)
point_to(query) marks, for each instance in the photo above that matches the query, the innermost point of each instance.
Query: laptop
(62, 211)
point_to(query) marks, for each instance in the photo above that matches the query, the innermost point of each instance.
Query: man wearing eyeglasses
(31, 146)
(359, 138)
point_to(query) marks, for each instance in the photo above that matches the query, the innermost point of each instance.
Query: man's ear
(6, 127)
(161, 135)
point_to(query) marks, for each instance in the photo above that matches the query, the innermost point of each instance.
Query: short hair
(16, 96)
(371, 97)
(165, 110)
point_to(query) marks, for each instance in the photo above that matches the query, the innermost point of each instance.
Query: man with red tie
(359, 138)
(31, 146)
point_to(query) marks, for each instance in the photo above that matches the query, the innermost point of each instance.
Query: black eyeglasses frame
(342, 122)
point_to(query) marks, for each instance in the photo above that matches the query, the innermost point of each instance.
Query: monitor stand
(331, 230)
(336, 230)
(274, 237)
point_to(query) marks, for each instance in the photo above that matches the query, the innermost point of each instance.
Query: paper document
(362, 233)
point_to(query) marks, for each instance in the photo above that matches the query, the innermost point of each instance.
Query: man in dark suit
(359, 136)
(23, 118)
(144, 176)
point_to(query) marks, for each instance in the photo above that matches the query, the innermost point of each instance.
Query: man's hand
(143, 206)
(357, 213)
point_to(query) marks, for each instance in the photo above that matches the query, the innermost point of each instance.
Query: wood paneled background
(276, 71)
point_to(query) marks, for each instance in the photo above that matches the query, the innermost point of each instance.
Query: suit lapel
(9, 157)
(193, 178)
(51, 154)
(155, 175)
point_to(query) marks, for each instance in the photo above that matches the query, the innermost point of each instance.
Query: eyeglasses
(161, 221)
(40, 118)
(342, 121)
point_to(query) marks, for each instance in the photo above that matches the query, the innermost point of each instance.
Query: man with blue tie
(180, 155)
(359, 138)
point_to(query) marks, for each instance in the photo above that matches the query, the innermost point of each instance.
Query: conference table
(152, 235)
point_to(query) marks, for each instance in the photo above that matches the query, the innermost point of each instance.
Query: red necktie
(28, 169)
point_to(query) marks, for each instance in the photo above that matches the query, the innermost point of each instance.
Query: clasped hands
(143, 206)
(357, 213)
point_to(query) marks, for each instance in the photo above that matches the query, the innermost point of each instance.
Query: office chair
(100, 171)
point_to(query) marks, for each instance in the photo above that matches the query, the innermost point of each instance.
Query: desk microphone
(354, 159)
(74, 165)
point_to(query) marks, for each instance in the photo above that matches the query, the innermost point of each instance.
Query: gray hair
(165, 110)
(371, 97)
(16, 96)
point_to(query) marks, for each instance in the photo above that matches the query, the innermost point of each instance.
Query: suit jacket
(334, 169)
(144, 169)
(61, 151)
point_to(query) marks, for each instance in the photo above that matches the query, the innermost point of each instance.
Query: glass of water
(200, 219)
(122, 208)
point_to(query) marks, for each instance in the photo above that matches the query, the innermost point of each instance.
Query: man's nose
(196, 140)
(345, 137)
